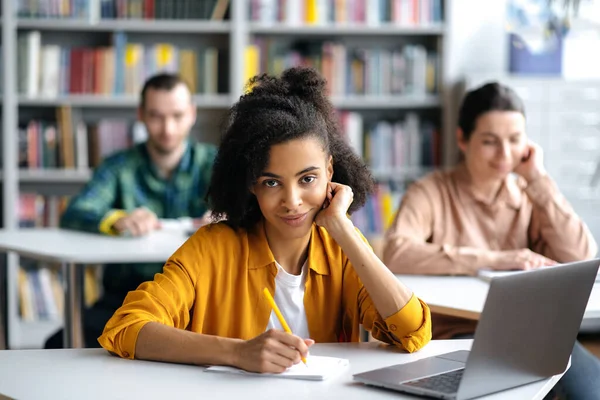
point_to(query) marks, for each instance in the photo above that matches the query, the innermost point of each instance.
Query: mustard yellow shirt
(213, 285)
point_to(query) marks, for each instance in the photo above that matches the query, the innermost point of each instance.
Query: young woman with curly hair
(283, 184)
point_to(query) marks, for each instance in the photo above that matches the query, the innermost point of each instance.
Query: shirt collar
(186, 160)
(510, 191)
(261, 256)
(183, 166)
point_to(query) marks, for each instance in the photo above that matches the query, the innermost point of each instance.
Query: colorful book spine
(359, 12)
(94, 10)
(110, 70)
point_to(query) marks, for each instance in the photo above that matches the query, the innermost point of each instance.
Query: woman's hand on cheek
(532, 166)
(339, 198)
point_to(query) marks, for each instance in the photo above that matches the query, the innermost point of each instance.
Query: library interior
(462, 147)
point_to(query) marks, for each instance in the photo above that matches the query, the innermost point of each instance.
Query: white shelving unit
(387, 102)
(238, 32)
(347, 29)
(54, 175)
(220, 101)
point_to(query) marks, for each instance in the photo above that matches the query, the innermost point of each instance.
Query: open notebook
(317, 368)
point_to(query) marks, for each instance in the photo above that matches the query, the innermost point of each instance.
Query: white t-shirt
(289, 297)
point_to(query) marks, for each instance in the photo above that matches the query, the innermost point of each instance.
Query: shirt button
(393, 328)
(125, 354)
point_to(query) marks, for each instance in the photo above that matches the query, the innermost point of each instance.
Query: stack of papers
(317, 368)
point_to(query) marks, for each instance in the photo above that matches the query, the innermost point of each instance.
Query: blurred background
(71, 72)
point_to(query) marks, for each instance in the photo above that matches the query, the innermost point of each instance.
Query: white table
(463, 296)
(73, 249)
(94, 374)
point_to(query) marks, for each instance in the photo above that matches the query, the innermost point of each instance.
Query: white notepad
(487, 274)
(317, 368)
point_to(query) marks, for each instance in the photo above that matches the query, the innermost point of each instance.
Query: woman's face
(292, 188)
(496, 146)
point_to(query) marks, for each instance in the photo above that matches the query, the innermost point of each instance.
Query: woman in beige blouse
(480, 216)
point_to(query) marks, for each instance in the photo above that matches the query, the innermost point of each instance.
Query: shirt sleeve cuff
(123, 344)
(108, 221)
(411, 325)
(465, 260)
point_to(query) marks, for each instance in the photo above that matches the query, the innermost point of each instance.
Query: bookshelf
(233, 36)
(386, 102)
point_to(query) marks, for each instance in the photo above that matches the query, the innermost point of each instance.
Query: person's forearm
(405, 256)
(160, 342)
(388, 294)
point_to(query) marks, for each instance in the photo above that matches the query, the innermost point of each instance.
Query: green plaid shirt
(128, 180)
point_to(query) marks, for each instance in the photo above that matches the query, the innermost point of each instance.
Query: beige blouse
(443, 228)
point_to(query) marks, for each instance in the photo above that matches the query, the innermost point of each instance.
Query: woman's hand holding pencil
(273, 351)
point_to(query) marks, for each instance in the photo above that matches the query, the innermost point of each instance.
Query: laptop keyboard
(445, 383)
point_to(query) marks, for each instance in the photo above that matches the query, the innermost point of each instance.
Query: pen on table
(284, 324)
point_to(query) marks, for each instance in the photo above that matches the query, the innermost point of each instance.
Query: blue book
(119, 42)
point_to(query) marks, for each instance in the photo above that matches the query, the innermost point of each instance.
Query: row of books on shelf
(123, 9)
(386, 146)
(389, 147)
(41, 295)
(410, 70)
(371, 12)
(37, 211)
(379, 210)
(123, 67)
(73, 144)
(41, 292)
(111, 70)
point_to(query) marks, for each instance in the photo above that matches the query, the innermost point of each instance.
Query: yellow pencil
(284, 324)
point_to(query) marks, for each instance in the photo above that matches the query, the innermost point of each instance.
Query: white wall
(476, 37)
(475, 42)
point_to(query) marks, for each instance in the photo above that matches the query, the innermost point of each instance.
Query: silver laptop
(526, 333)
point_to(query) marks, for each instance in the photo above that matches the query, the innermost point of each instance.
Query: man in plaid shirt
(165, 177)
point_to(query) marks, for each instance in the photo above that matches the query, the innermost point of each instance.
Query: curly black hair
(274, 111)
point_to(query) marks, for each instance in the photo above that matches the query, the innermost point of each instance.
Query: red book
(149, 9)
(87, 76)
(76, 66)
(98, 61)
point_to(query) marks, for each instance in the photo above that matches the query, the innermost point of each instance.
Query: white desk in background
(74, 249)
(464, 296)
(94, 374)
